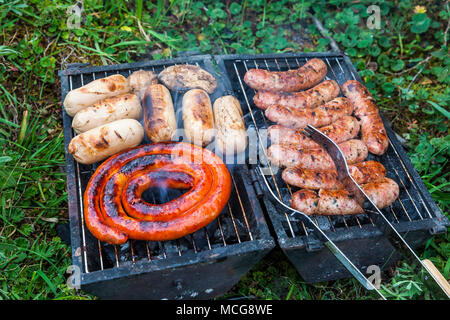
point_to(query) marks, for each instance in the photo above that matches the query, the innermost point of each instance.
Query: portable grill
(415, 215)
(208, 262)
(204, 264)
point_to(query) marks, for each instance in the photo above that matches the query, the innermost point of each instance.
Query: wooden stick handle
(437, 275)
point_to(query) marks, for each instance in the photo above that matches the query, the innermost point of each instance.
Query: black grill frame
(188, 274)
(192, 275)
(313, 261)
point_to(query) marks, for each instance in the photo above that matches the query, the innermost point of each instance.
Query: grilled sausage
(95, 91)
(373, 132)
(342, 130)
(311, 98)
(382, 192)
(140, 80)
(362, 172)
(186, 76)
(121, 179)
(124, 106)
(198, 118)
(315, 159)
(101, 142)
(318, 117)
(159, 114)
(311, 73)
(231, 136)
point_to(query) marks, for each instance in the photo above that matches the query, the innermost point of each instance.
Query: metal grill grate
(410, 206)
(233, 226)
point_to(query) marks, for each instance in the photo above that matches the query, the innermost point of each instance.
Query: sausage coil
(115, 211)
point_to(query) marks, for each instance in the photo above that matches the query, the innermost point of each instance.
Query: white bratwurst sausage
(231, 136)
(95, 91)
(124, 106)
(101, 142)
(198, 118)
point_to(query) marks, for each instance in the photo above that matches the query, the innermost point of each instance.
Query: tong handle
(431, 268)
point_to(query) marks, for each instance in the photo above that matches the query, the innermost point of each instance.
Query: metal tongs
(432, 278)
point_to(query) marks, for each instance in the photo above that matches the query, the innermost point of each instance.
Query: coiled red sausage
(113, 207)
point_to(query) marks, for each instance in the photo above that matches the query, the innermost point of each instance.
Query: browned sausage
(198, 119)
(159, 114)
(315, 159)
(317, 117)
(342, 130)
(382, 192)
(311, 73)
(362, 172)
(311, 98)
(373, 132)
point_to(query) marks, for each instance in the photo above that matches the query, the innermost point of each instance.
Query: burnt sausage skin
(363, 172)
(317, 117)
(315, 159)
(382, 192)
(311, 98)
(311, 73)
(373, 132)
(342, 130)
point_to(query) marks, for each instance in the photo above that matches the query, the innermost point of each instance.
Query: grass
(405, 64)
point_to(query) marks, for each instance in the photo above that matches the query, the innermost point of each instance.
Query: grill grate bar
(149, 256)
(234, 223)
(178, 247)
(207, 238)
(132, 251)
(193, 243)
(393, 213)
(116, 255)
(406, 189)
(83, 232)
(221, 231)
(410, 179)
(163, 248)
(242, 209)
